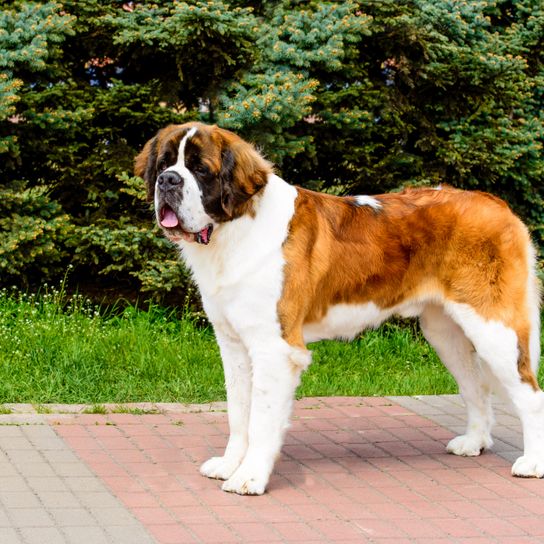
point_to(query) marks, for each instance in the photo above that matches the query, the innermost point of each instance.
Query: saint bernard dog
(279, 266)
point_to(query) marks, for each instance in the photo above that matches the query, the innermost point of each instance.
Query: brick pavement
(352, 470)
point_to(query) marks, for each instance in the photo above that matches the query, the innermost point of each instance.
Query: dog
(279, 266)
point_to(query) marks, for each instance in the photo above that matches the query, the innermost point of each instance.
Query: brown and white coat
(279, 266)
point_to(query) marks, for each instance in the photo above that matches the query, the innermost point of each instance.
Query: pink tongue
(169, 219)
(204, 235)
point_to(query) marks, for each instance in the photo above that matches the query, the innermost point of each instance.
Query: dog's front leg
(275, 378)
(237, 369)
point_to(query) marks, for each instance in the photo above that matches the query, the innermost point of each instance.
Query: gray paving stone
(42, 469)
(60, 456)
(42, 535)
(54, 483)
(48, 444)
(76, 483)
(437, 400)
(9, 536)
(13, 483)
(129, 535)
(29, 517)
(447, 420)
(38, 431)
(72, 517)
(504, 447)
(509, 455)
(7, 469)
(506, 419)
(10, 443)
(457, 429)
(107, 517)
(10, 431)
(4, 520)
(19, 499)
(22, 457)
(514, 441)
(84, 535)
(73, 470)
(96, 499)
(58, 499)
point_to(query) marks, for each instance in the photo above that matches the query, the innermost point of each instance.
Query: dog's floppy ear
(145, 166)
(243, 174)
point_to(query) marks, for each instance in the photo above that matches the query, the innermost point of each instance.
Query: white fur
(345, 321)
(364, 200)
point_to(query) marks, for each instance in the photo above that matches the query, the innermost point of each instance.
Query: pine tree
(30, 222)
(359, 97)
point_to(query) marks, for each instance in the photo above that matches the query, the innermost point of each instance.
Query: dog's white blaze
(191, 210)
(365, 200)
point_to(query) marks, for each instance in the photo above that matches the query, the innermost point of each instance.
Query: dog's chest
(245, 256)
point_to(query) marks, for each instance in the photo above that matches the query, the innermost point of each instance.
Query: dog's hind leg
(509, 352)
(458, 355)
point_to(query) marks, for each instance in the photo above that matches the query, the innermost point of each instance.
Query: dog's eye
(162, 165)
(201, 170)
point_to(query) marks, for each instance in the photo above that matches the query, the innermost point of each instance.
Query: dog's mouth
(170, 222)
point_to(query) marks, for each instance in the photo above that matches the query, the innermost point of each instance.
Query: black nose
(168, 180)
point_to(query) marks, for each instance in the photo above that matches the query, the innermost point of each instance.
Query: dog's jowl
(279, 266)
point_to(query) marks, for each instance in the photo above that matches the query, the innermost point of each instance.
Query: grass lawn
(72, 353)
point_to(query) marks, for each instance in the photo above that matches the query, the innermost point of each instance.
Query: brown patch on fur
(465, 247)
(250, 172)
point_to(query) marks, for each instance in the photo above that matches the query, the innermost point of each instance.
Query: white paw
(220, 468)
(529, 466)
(244, 482)
(469, 445)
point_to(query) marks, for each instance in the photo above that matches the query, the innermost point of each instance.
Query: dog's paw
(245, 482)
(529, 466)
(220, 468)
(469, 445)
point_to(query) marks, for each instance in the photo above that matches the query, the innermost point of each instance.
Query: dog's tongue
(203, 237)
(169, 219)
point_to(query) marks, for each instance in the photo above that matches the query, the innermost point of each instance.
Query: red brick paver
(352, 470)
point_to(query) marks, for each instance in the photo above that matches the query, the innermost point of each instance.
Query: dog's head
(199, 176)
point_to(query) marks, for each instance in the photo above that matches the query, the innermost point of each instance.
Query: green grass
(55, 352)
(96, 409)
